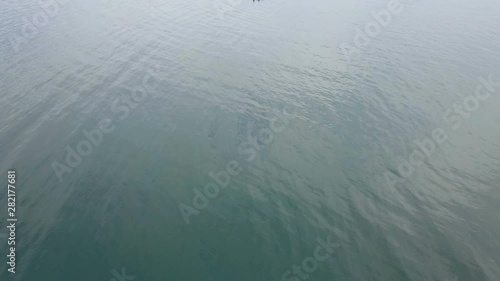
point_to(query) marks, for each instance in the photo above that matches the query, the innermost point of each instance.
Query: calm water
(186, 86)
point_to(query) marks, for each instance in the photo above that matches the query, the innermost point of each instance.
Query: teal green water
(114, 114)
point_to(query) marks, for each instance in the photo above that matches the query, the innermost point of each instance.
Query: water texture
(300, 132)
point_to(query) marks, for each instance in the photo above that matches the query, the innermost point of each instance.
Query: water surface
(216, 78)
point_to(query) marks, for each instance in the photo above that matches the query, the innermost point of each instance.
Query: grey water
(222, 140)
